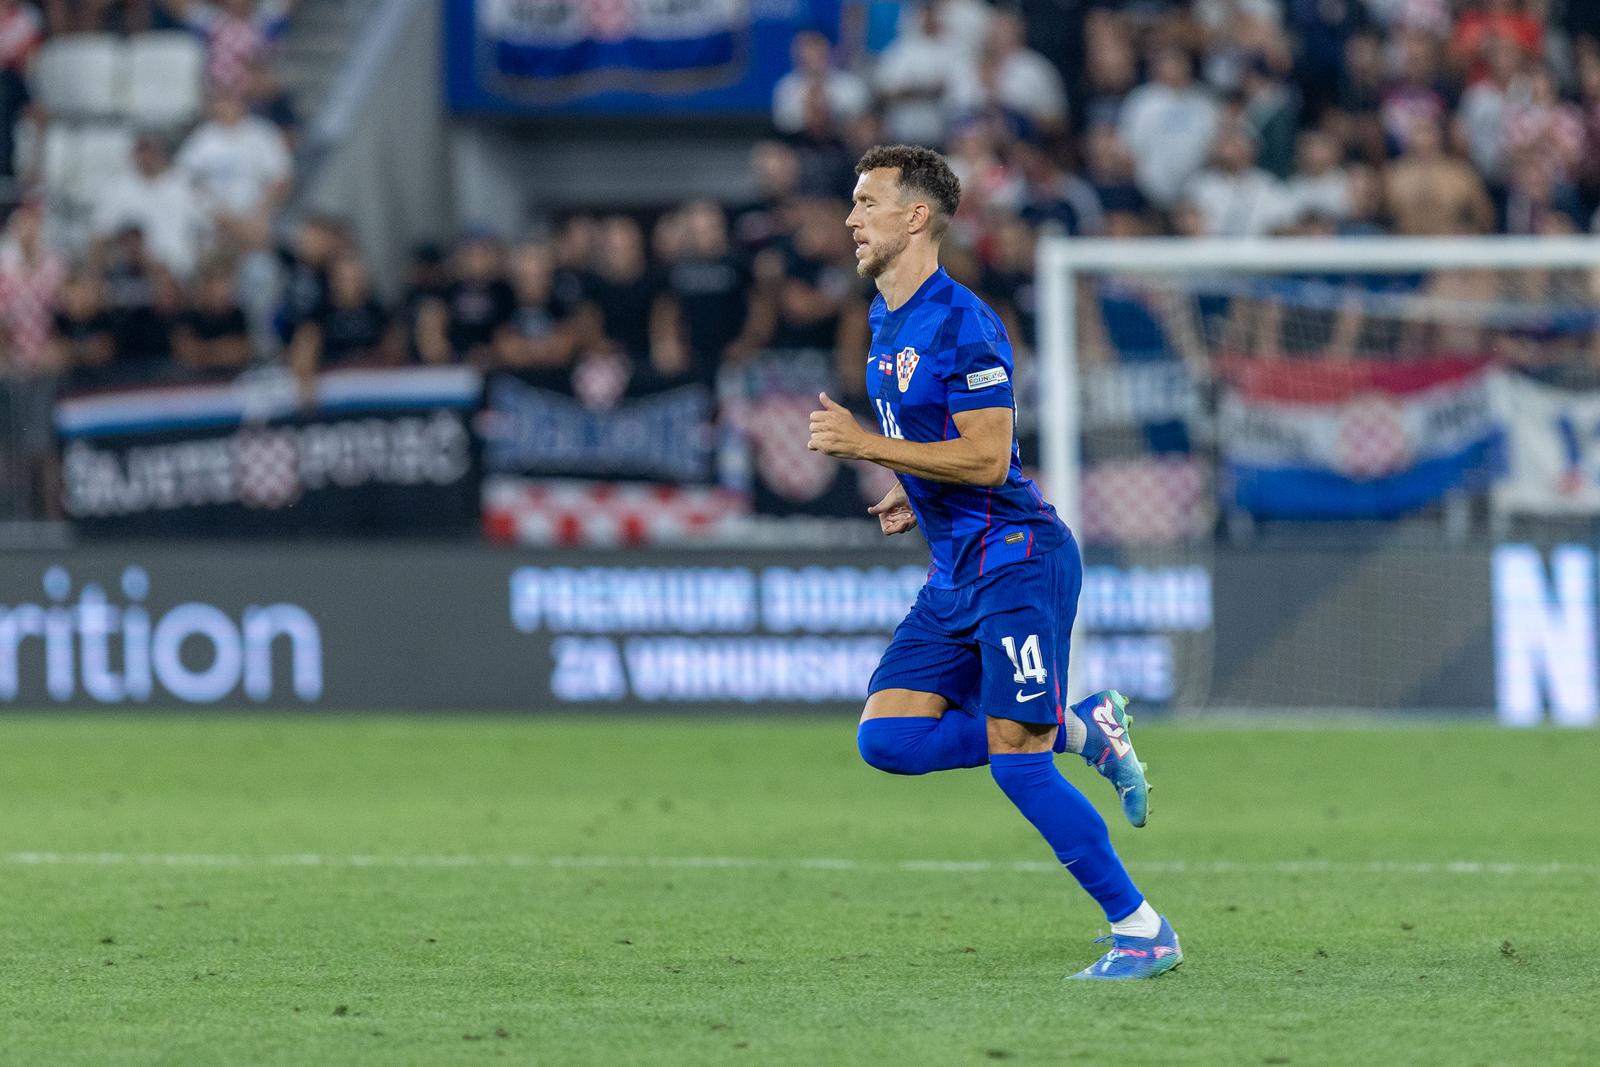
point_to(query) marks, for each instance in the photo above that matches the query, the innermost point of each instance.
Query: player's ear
(920, 218)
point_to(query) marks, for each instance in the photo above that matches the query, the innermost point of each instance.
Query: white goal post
(1062, 261)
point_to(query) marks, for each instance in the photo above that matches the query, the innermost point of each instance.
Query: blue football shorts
(997, 646)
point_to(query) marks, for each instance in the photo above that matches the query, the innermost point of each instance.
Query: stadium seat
(59, 158)
(106, 152)
(80, 160)
(164, 78)
(81, 75)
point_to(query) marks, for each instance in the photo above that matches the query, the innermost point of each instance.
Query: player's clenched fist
(894, 511)
(835, 431)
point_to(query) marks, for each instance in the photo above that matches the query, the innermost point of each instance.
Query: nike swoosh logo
(1031, 696)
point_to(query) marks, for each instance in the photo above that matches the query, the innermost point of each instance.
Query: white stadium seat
(164, 78)
(80, 160)
(105, 152)
(81, 75)
(59, 158)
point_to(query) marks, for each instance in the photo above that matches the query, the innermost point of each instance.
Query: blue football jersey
(941, 353)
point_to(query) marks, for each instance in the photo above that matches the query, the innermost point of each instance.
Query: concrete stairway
(320, 37)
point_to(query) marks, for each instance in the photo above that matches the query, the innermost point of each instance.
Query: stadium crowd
(1188, 117)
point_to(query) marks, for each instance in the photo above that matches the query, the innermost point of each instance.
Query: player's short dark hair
(923, 172)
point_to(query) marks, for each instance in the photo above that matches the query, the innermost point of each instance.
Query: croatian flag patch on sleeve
(982, 378)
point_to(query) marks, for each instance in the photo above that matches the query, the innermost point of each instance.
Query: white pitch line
(315, 859)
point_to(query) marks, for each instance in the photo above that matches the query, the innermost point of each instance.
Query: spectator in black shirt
(713, 313)
(124, 269)
(819, 300)
(351, 327)
(542, 331)
(818, 282)
(212, 338)
(826, 166)
(574, 259)
(462, 325)
(623, 293)
(1109, 170)
(1054, 199)
(427, 280)
(144, 301)
(1008, 281)
(317, 240)
(760, 223)
(84, 338)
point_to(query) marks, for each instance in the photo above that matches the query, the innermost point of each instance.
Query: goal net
(1288, 460)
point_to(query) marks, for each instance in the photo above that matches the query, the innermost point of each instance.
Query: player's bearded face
(879, 252)
(877, 221)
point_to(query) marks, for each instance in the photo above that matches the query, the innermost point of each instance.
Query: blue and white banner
(1552, 449)
(529, 430)
(624, 56)
(1355, 440)
(262, 398)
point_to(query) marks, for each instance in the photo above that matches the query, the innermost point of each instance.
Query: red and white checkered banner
(560, 513)
(1147, 500)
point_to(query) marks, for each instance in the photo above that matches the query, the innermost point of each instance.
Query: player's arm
(980, 456)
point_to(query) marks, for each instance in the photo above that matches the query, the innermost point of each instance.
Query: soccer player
(973, 675)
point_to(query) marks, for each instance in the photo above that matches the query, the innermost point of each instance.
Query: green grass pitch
(703, 891)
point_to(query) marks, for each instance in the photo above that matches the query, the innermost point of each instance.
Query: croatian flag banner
(566, 40)
(1330, 440)
(623, 57)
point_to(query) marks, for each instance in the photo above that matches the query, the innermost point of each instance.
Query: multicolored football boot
(1135, 957)
(1108, 748)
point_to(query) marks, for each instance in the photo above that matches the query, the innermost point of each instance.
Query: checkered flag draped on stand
(267, 469)
(779, 429)
(608, 20)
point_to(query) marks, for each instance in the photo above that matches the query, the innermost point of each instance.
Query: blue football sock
(1074, 830)
(917, 744)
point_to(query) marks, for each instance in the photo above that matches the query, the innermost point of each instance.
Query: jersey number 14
(1027, 663)
(886, 420)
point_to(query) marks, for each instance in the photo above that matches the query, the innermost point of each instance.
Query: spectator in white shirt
(847, 95)
(1011, 76)
(1168, 124)
(1481, 117)
(912, 76)
(966, 21)
(157, 200)
(1319, 186)
(239, 165)
(1235, 197)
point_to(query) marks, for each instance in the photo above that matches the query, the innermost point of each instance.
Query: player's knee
(885, 744)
